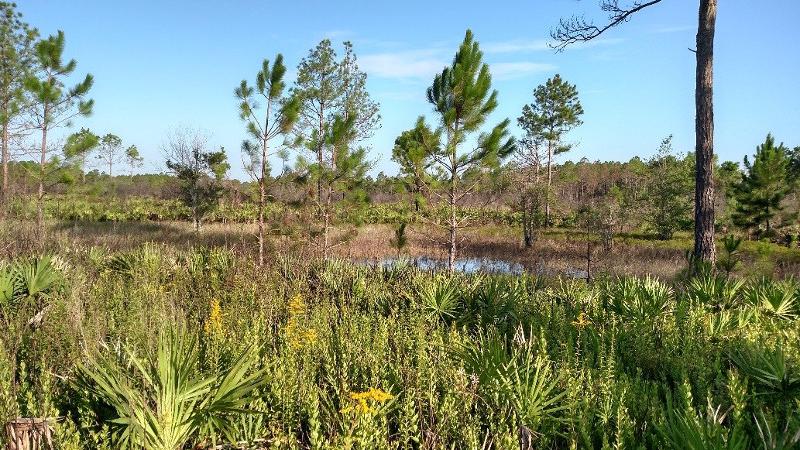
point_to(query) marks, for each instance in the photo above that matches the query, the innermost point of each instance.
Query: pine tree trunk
(704, 249)
(320, 149)
(4, 193)
(195, 212)
(527, 219)
(261, 200)
(549, 182)
(262, 187)
(40, 194)
(451, 251)
(326, 223)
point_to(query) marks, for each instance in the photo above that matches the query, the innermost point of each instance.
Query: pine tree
(277, 119)
(319, 88)
(411, 153)
(765, 183)
(133, 158)
(17, 61)
(332, 93)
(110, 151)
(54, 105)
(578, 29)
(355, 98)
(555, 111)
(530, 153)
(669, 191)
(77, 147)
(342, 178)
(462, 98)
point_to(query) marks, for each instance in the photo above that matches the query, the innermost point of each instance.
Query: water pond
(473, 265)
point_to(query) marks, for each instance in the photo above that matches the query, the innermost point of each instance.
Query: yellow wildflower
(361, 400)
(297, 336)
(213, 324)
(582, 320)
(296, 306)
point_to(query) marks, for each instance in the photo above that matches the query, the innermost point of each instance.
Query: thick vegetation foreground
(164, 349)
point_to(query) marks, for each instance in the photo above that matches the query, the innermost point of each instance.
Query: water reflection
(473, 265)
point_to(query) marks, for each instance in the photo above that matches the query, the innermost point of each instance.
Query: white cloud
(408, 64)
(510, 70)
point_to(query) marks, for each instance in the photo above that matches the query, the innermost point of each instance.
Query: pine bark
(549, 182)
(5, 158)
(42, 164)
(704, 249)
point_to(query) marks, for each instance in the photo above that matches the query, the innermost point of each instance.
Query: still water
(473, 265)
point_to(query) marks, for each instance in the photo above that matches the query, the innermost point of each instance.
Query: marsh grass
(560, 362)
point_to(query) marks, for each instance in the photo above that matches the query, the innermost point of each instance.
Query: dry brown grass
(553, 253)
(557, 251)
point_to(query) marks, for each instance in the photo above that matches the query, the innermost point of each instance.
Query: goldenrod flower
(296, 306)
(296, 335)
(213, 324)
(360, 400)
(582, 320)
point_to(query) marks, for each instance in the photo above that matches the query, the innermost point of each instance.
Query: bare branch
(578, 29)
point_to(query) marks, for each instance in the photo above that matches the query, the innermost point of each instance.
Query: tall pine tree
(462, 98)
(54, 105)
(17, 61)
(578, 29)
(336, 113)
(277, 118)
(555, 111)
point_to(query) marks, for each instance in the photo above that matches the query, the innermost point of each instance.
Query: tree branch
(578, 29)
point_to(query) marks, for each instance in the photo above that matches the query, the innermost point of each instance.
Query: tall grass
(349, 356)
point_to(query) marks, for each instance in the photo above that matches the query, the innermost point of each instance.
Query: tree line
(326, 115)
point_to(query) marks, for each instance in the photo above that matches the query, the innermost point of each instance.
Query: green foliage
(533, 390)
(344, 356)
(439, 298)
(764, 185)
(776, 300)
(111, 152)
(669, 191)
(688, 431)
(774, 378)
(411, 152)
(28, 279)
(277, 118)
(162, 402)
(53, 99)
(200, 171)
(462, 98)
(36, 277)
(642, 300)
(336, 114)
(400, 239)
(729, 259)
(555, 111)
(17, 41)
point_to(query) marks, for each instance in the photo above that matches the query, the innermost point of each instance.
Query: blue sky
(159, 64)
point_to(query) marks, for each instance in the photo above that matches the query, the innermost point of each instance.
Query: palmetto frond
(163, 402)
